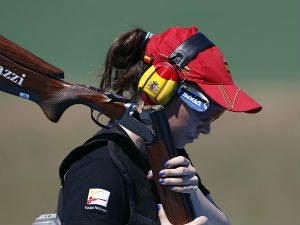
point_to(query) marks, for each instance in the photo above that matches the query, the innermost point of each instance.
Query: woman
(108, 186)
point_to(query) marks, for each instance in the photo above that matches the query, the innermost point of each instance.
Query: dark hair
(124, 64)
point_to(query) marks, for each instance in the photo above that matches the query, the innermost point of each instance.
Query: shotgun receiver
(25, 75)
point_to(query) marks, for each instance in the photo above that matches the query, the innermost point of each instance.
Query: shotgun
(25, 75)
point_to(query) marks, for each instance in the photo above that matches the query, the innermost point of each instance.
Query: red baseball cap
(209, 70)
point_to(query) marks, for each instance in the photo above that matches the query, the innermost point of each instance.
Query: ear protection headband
(160, 81)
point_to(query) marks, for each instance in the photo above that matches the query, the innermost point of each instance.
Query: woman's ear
(172, 108)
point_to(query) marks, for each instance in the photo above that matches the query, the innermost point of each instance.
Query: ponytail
(124, 64)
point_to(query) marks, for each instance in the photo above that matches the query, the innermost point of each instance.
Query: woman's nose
(205, 128)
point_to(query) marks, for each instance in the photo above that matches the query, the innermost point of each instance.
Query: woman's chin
(182, 145)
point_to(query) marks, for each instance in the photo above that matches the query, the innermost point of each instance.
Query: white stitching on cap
(227, 99)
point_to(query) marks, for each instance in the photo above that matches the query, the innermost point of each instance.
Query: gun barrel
(178, 206)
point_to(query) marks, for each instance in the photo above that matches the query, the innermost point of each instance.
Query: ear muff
(158, 84)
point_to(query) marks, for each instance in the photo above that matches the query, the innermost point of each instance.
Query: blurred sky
(259, 38)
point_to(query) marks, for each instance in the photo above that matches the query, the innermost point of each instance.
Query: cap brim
(231, 98)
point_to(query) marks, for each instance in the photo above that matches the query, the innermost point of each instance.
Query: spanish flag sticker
(226, 66)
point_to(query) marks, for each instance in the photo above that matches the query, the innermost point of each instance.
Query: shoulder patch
(98, 196)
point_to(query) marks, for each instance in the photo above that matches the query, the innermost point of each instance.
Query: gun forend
(28, 60)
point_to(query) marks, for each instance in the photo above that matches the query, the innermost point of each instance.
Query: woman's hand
(179, 175)
(164, 219)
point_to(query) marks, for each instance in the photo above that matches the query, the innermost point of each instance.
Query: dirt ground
(250, 163)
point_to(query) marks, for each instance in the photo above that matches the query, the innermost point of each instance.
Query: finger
(150, 175)
(162, 215)
(202, 220)
(185, 180)
(177, 161)
(184, 189)
(177, 172)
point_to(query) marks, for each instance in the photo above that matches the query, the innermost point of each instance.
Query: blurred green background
(250, 163)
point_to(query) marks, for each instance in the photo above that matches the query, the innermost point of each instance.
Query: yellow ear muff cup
(158, 82)
(149, 72)
(164, 96)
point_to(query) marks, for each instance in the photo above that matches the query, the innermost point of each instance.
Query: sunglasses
(208, 111)
(213, 115)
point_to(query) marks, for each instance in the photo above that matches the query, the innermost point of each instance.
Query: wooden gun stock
(26, 75)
